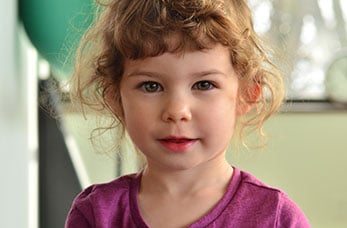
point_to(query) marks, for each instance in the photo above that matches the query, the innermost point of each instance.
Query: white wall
(18, 145)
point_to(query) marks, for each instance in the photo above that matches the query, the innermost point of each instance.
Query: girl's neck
(182, 183)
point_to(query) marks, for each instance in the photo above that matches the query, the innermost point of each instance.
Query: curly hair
(136, 29)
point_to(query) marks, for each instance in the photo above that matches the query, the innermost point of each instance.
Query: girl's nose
(176, 110)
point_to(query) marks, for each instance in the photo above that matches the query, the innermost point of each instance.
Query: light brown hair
(136, 29)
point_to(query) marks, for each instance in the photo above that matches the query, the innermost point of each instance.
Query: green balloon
(55, 27)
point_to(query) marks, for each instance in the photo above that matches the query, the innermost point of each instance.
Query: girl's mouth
(177, 144)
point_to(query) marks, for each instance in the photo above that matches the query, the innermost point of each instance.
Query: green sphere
(55, 27)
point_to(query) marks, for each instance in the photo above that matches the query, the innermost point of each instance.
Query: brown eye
(151, 87)
(203, 85)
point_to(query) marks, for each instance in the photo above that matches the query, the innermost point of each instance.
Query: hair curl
(136, 29)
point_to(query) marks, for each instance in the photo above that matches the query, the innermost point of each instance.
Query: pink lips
(177, 144)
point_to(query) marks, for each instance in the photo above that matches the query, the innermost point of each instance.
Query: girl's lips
(177, 144)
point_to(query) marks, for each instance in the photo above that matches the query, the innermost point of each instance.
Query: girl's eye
(203, 85)
(151, 87)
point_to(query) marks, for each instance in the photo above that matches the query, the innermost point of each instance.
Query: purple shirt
(247, 203)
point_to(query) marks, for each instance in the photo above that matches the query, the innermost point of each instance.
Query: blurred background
(47, 161)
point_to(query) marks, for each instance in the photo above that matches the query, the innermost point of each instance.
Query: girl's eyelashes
(204, 85)
(154, 87)
(150, 87)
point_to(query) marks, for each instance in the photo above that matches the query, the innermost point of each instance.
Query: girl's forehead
(185, 53)
(216, 58)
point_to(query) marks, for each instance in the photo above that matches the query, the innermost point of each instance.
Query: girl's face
(180, 109)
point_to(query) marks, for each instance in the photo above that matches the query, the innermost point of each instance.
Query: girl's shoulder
(268, 202)
(249, 181)
(104, 203)
(106, 195)
(104, 191)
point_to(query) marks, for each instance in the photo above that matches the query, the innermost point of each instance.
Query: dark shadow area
(58, 182)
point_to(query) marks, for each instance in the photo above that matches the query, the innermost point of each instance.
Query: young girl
(177, 77)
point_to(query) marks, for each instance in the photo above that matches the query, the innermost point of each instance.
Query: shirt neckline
(202, 222)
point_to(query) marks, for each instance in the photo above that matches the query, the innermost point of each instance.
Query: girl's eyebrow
(208, 72)
(143, 73)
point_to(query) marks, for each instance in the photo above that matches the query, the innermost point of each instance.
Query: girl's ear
(249, 96)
